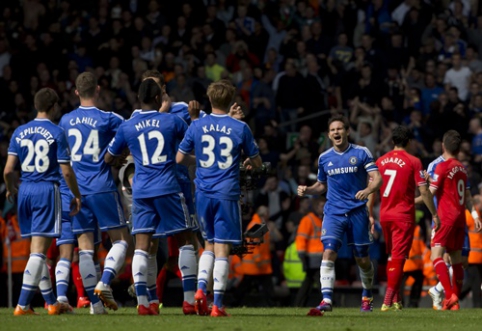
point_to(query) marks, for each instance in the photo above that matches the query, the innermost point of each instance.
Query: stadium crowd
(294, 63)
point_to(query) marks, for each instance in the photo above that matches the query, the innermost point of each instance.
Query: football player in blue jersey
(343, 172)
(42, 150)
(89, 131)
(158, 205)
(217, 141)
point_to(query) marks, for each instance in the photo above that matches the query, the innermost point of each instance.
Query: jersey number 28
(40, 150)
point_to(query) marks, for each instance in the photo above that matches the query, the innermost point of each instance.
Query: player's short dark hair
(86, 84)
(154, 74)
(45, 99)
(401, 135)
(339, 118)
(452, 142)
(221, 94)
(148, 91)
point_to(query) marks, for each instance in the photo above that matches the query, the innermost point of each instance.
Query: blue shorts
(39, 209)
(220, 220)
(164, 215)
(186, 190)
(99, 211)
(355, 224)
(466, 247)
(66, 235)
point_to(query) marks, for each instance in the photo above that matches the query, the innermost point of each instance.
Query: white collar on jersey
(346, 150)
(42, 119)
(90, 107)
(219, 115)
(146, 111)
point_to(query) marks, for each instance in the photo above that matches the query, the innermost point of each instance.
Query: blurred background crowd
(294, 63)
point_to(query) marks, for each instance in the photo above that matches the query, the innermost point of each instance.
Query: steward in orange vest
(310, 249)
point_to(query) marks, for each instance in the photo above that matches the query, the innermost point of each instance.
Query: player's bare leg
(113, 263)
(87, 271)
(443, 276)
(62, 276)
(327, 280)
(220, 275)
(367, 273)
(206, 265)
(188, 268)
(35, 270)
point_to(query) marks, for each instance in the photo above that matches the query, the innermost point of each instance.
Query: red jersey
(450, 182)
(401, 173)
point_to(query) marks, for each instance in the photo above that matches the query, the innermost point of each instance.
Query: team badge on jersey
(323, 232)
(353, 160)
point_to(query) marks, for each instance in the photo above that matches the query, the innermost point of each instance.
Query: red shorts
(449, 237)
(53, 251)
(172, 246)
(398, 238)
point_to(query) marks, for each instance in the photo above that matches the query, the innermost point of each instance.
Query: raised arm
(317, 188)
(469, 204)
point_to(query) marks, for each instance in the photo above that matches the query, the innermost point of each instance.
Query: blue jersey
(89, 132)
(40, 145)
(345, 173)
(152, 139)
(217, 141)
(181, 110)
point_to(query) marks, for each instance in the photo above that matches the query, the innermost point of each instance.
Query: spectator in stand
(240, 52)
(472, 59)
(475, 129)
(430, 93)
(213, 69)
(458, 76)
(290, 96)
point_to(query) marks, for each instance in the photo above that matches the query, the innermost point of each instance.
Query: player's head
(156, 76)
(150, 95)
(45, 100)
(451, 142)
(401, 136)
(338, 131)
(86, 86)
(221, 94)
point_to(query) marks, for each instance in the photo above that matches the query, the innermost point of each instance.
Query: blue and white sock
(87, 271)
(151, 279)
(366, 277)
(45, 286)
(327, 280)
(62, 277)
(139, 272)
(188, 267)
(98, 271)
(206, 265)
(220, 273)
(31, 279)
(114, 261)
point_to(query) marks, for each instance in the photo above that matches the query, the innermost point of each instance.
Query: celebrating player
(449, 184)
(89, 131)
(402, 174)
(41, 148)
(158, 204)
(217, 141)
(344, 170)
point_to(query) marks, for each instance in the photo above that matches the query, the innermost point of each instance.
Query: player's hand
(165, 104)
(236, 112)
(362, 195)
(247, 164)
(436, 223)
(372, 224)
(194, 108)
(427, 177)
(302, 190)
(11, 195)
(478, 224)
(75, 206)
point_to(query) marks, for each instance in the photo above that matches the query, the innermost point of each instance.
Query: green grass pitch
(249, 319)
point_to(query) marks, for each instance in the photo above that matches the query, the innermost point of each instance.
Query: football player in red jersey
(402, 173)
(449, 184)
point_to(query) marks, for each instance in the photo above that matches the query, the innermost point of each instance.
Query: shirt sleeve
(368, 161)
(181, 127)
(250, 147)
(115, 121)
(63, 151)
(418, 173)
(187, 144)
(321, 171)
(437, 178)
(13, 147)
(118, 143)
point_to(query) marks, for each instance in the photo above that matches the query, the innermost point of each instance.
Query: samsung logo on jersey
(147, 124)
(84, 120)
(36, 129)
(341, 171)
(217, 129)
(455, 170)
